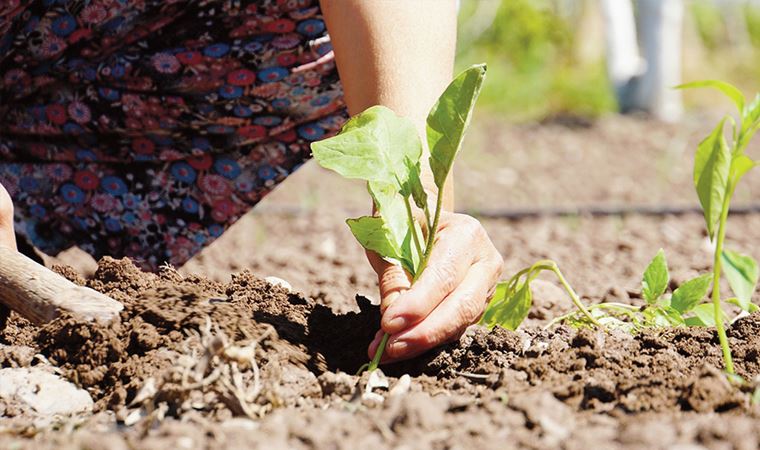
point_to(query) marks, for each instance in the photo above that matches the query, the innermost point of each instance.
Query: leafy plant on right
(719, 165)
(718, 168)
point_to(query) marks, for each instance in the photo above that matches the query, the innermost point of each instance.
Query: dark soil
(534, 383)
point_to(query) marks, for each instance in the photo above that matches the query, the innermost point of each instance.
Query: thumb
(392, 279)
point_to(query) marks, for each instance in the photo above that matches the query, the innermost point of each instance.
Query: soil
(227, 360)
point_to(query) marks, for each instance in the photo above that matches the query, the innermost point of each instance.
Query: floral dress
(145, 128)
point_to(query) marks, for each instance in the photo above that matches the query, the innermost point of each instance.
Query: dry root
(209, 373)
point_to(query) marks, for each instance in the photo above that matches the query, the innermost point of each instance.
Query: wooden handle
(40, 295)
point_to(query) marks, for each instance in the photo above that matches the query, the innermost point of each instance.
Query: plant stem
(412, 226)
(423, 263)
(431, 233)
(573, 296)
(378, 353)
(428, 223)
(716, 281)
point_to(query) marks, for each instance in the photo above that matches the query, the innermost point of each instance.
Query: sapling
(512, 301)
(718, 167)
(661, 309)
(385, 150)
(513, 298)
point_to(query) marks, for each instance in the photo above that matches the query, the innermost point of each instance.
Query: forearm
(394, 53)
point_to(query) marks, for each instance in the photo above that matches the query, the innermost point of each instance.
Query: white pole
(661, 40)
(624, 63)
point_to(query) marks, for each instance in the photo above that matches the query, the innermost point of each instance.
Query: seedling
(384, 150)
(718, 167)
(662, 309)
(512, 301)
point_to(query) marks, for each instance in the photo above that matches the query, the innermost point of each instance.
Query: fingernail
(398, 348)
(395, 325)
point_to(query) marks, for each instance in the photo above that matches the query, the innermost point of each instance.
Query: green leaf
(752, 307)
(704, 316)
(655, 279)
(414, 185)
(690, 293)
(728, 89)
(740, 165)
(750, 122)
(742, 273)
(390, 205)
(449, 119)
(372, 146)
(752, 113)
(373, 234)
(711, 168)
(510, 310)
(663, 316)
(492, 309)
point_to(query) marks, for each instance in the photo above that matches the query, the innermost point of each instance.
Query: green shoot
(718, 167)
(384, 150)
(662, 309)
(512, 299)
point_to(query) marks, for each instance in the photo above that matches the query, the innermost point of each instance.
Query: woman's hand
(449, 296)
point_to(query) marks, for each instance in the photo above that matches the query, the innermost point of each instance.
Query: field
(205, 360)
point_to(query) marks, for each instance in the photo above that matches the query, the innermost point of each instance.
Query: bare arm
(395, 53)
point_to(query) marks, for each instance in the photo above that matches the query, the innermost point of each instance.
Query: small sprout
(656, 278)
(512, 299)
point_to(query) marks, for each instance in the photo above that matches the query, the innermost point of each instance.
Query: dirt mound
(190, 350)
(165, 317)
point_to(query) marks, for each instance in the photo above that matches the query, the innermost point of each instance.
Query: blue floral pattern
(145, 128)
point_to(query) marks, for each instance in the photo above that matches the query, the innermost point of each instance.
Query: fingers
(448, 321)
(450, 259)
(391, 278)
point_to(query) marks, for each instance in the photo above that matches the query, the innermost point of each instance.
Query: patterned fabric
(145, 128)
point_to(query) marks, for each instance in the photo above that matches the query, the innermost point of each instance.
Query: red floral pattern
(146, 128)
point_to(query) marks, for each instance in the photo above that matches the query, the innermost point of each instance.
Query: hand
(450, 295)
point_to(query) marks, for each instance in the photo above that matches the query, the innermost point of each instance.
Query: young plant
(661, 309)
(718, 167)
(384, 150)
(512, 301)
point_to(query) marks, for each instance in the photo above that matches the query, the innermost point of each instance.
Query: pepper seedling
(385, 150)
(718, 167)
(662, 309)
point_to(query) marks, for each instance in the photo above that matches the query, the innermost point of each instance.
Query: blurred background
(550, 58)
